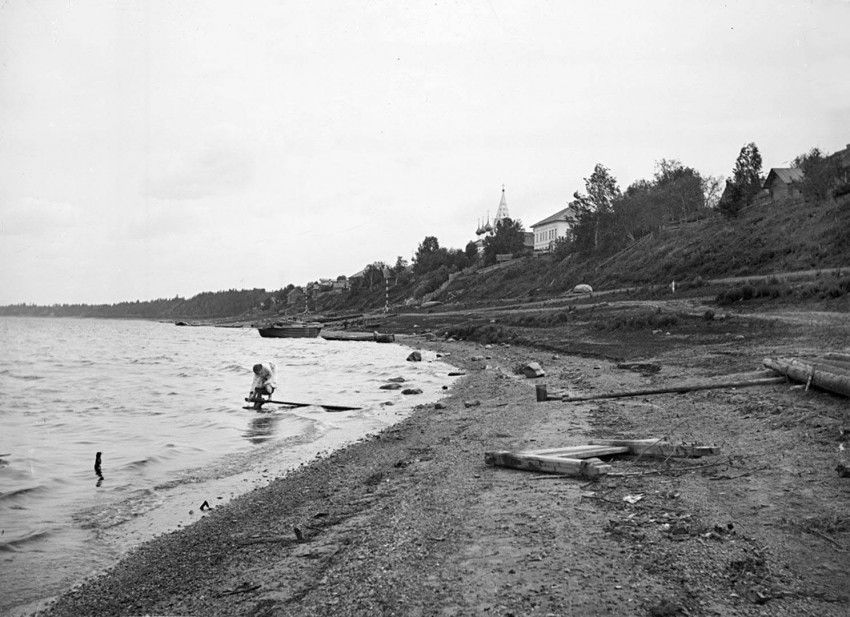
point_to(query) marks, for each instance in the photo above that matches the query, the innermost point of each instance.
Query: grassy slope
(778, 238)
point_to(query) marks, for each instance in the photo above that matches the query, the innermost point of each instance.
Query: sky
(156, 148)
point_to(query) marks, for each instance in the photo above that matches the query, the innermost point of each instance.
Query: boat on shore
(292, 329)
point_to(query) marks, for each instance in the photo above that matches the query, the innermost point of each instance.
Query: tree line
(604, 219)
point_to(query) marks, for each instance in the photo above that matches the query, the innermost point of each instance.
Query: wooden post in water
(97, 471)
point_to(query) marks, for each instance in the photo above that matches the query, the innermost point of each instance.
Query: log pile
(830, 372)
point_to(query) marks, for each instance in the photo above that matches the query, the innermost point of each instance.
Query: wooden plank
(653, 447)
(546, 464)
(292, 404)
(580, 451)
(674, 389)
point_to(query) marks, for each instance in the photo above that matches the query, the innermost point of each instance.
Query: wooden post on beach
(542, 396)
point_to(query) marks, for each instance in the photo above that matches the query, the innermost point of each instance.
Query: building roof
(787, 175)
(562, 215)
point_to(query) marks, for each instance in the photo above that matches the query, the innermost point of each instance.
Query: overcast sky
(159, 148)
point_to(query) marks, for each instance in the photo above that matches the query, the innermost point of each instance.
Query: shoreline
(106, 528)
(412, 522)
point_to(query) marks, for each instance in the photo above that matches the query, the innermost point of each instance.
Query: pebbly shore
(412, 521)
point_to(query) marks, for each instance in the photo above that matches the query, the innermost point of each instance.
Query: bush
(638, 322)
(487, 334)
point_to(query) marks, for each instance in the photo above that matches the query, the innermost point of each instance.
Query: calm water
(164, 406)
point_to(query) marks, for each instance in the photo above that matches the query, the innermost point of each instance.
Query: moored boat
(296, 329)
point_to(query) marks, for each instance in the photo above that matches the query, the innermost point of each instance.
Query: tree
(731, 201)
(399, 270)
(508, 238)
(679, 189)
(471, 251)
(561, 248)
(712, 190)
(374, 273)
(427, 248)
(820, 174)
(638, 212)
(595, 210)
(747, 172)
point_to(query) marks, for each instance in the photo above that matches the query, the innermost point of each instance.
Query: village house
(783, 183)
(547, 231)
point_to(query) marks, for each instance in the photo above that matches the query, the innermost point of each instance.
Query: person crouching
(263, 385)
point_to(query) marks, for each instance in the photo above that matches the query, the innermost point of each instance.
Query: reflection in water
(262, 427)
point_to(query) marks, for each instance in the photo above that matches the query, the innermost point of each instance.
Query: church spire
(502, 211)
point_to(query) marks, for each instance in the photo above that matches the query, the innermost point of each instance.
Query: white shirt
(265, 377)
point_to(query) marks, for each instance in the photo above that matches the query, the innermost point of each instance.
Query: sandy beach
(413, 522)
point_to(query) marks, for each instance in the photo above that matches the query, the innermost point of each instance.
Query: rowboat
(295, 329)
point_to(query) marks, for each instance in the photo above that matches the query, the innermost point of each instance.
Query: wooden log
(809, 374)
(745, 383)
(358, 336)
(653, 447)
(293, 404)
(834, 366)
(834, 355)
(547, 464)
(587, 451)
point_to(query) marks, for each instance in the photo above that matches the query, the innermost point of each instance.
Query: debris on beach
(830, 372)
(584, 461)
(763, 378)
(532, 370)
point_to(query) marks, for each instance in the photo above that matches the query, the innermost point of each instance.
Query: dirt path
(412, 522)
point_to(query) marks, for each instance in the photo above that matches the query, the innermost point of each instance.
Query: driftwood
(586, 468)
(358, 336)
(582, 460)
(654, 447)
(762, 381)
(811, 374)
(841, 357)
(291, 404)
(832, 365)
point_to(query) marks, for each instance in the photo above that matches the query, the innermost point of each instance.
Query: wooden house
(783, 183)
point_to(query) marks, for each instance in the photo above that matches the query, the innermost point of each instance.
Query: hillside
(763, 241)
(773, 240)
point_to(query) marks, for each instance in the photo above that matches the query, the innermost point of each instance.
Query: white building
(551, 228)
